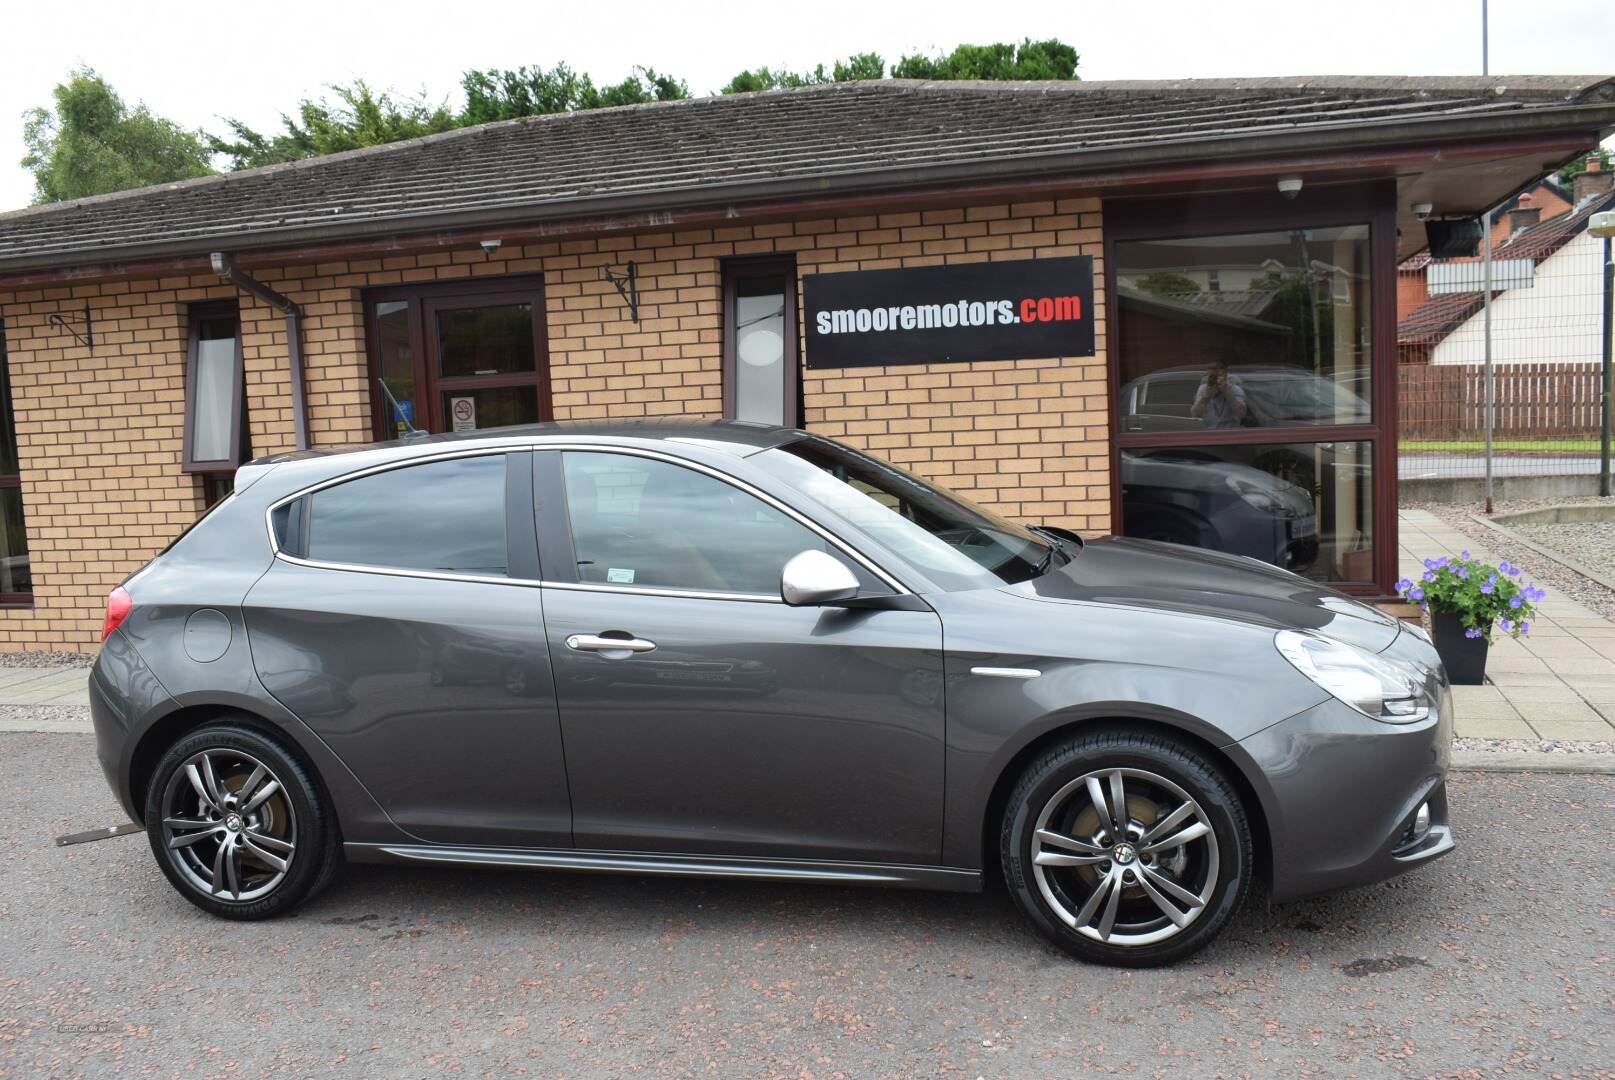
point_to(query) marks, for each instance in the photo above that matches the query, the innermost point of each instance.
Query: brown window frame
(429, 387)
(12, 480)
(763, 266)
(196, 314)
(1223, 214)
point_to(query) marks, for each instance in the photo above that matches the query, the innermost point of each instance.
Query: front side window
(956, 543)
(443, 516)
(213, 391)
(759, 354)
(652, 524)
(16, 580)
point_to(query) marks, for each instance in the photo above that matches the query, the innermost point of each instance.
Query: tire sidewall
(1178, 764)
(316, 838)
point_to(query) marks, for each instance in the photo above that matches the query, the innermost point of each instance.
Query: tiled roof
(842, 138)
(1439, 316)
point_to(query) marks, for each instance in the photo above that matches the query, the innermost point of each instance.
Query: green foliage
(358, 117)
(498, 94)
(859, 66)
(92, 143)
(1568, 174)
(1050, 59)
(1483, 596)
(1167, 283)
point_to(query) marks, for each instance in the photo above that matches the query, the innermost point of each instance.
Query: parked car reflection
(1274, 396)
(1187, 496)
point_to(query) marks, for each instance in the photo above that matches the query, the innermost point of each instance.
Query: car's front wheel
(1126, 848)
(238, 825)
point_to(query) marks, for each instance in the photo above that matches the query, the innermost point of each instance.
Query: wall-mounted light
(1289, 186)
(1423, 210)
(491, 246)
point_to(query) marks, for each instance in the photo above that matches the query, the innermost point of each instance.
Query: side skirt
(945, 879)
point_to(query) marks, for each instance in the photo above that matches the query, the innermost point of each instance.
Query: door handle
(595, 643)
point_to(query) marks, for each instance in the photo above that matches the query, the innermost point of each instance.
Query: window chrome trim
(505, 448)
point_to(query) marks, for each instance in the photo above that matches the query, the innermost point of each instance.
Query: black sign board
(939, 314)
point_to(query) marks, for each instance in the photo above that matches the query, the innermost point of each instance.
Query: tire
(1054, 873)
(202, 825)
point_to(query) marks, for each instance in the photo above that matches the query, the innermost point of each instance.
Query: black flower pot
(1464, 657)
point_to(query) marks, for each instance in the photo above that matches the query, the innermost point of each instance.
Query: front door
(702, 715)
(460, 357)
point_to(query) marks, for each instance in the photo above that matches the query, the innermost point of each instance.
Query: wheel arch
(1065, 727)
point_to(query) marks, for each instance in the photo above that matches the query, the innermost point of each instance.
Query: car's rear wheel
(238, 825)
(1126, 848)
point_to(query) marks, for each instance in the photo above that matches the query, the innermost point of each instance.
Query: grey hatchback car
(732, 650)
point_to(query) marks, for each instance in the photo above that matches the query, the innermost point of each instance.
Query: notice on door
(463, 413)
(939, 314)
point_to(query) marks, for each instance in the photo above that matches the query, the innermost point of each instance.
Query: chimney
(1524, 215)
(1595, 181)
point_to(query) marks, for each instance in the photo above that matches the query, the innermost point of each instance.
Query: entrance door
(459, 357)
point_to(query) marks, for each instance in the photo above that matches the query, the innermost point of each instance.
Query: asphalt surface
(1495, 960)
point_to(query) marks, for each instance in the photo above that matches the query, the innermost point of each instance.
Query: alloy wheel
(228, 825)
(1125, 857)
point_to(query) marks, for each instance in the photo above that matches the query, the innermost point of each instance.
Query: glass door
(445, 358)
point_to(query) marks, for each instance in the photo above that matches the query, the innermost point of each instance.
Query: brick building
(659, 260)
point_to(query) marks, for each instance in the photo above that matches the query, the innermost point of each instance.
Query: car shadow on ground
(1363, 926)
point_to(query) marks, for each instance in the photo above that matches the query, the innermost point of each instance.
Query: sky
(196, 63)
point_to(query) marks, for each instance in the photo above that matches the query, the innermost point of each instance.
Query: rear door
(701, 714)
(403, 622)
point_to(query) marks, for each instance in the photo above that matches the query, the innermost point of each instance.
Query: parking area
(1496, 957)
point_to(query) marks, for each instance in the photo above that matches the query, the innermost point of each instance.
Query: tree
(92, 143)
(1050, 59)
(859, 66)
(498, 94)
(359, 117)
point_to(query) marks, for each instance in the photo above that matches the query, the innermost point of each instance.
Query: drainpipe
(224, 265)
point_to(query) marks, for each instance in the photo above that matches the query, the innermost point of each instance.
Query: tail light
(119, 604)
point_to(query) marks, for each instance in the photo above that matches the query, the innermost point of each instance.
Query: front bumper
(1342, 792)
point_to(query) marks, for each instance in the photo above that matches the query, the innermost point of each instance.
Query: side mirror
(814, 577)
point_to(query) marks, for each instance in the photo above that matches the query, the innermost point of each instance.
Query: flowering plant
(1485, 597)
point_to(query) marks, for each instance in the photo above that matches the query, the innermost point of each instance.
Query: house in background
(1547, 295)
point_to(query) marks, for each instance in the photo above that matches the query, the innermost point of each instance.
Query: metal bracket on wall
(71, 324)
(627, 283)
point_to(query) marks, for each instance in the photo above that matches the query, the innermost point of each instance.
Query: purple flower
(1471, 633)
(1404, 585)
(1429, 575)
(1442, 562)
(1488, 588)
(1463, 554)
(1507, 626)
(1515, 602)
(1533, 594)
(1429, 564)
(1525, 628)
(1416, 595)
(1510, 569)
(1463, 573)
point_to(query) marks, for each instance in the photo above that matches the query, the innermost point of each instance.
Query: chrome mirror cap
(814, 577)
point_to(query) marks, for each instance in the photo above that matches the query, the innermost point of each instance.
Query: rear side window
(443, 516)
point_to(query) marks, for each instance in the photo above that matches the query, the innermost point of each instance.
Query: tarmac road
(1496, 959)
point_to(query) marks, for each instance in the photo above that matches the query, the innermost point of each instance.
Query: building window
(16, 582)
(760, 374)
(1246, 419)
(215, 441)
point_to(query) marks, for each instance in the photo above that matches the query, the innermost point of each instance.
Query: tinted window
(639, 521)
(445, 515)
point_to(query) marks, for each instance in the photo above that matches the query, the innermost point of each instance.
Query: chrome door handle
(595, 643)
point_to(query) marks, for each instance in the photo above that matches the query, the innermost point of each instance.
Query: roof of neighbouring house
(823, 141)
(1439, 316)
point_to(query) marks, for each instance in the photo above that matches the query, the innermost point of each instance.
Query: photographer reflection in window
(1220, 401)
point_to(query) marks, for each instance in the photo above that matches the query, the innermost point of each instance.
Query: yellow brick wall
(100, 434)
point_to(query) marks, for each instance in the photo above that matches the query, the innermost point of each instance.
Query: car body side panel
(1095, 663)
(436, 692)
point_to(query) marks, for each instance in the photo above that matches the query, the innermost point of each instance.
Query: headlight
(1261, 499)
(1373, 686)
